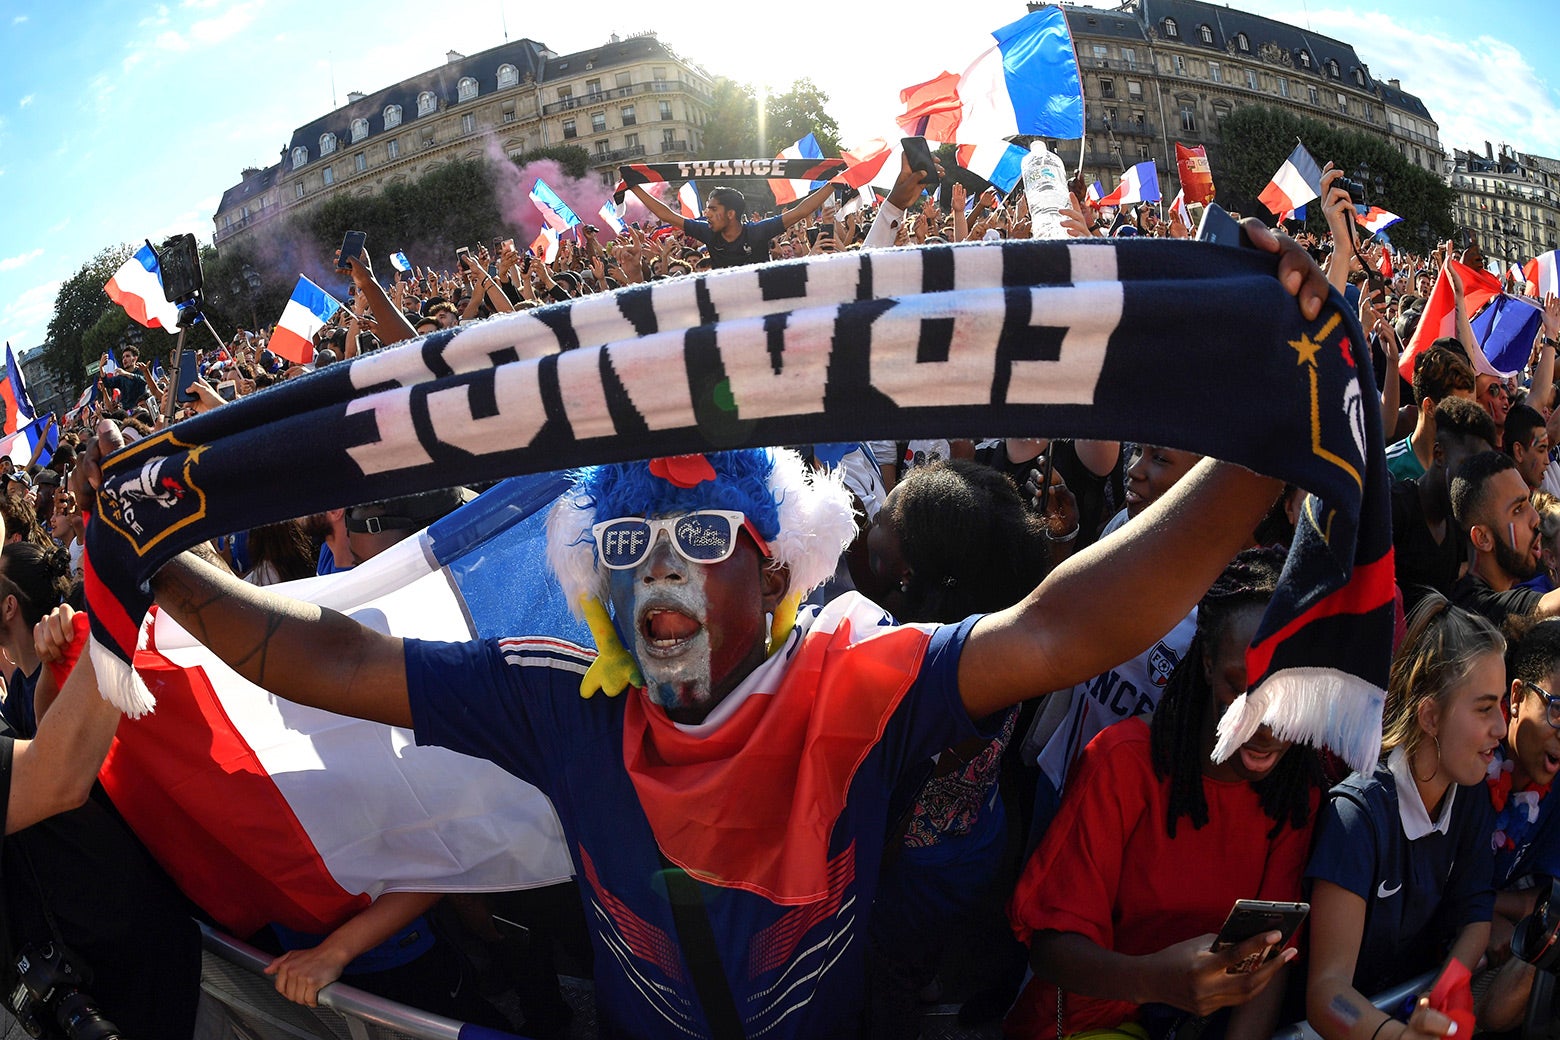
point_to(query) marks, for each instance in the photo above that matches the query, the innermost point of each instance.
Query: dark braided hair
(1181, 720)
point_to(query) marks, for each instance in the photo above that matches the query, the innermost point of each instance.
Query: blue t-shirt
(792, 970)
(1418, 894)
(751, 247)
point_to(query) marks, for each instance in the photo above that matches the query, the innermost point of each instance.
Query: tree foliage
(1256, 139)
(574, 159)
(86, 323)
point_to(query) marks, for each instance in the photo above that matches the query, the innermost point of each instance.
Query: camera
(178, 258)
(1536, 940)
(1355, 189)
(47, 999)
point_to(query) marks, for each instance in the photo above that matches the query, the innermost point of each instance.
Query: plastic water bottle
(1045, 185)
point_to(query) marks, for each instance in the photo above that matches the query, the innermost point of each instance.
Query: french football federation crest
(1161, 662)
(150, 502)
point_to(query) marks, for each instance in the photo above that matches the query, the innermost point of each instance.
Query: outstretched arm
(808, 206)
(1072, 627)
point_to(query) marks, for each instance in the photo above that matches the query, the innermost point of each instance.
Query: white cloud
(196, 220)
(223, 26)
(171, 41)
(27, 100)
(11, 263)
(133, 59)
(20, 19)
(24, 319)
(159, 16)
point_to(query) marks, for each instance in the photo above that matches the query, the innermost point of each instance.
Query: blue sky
(121, 121)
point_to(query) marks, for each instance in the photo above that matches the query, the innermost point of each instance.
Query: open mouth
(667, 632)
(1259, 758)
(1551, 763)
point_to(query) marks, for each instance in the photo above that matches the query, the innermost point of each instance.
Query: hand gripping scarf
(1183, 344)
(665, 172)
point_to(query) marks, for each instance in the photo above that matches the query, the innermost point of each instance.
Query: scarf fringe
(1317, 706)
(119, 683)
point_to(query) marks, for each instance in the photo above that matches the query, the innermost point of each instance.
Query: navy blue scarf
(1182, 344)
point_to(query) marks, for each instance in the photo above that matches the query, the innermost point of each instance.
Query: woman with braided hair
(1154, 843)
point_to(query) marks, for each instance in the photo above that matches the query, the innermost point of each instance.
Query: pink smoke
(585, 196)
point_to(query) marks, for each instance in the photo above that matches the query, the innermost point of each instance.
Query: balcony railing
(601, 97)
(672, 147)
(1123, 127)
(618, 155)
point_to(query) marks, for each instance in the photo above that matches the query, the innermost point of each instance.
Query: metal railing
(1385, 1001)
(601, 97)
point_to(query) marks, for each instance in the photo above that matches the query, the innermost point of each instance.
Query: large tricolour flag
(20, 446)
(688, 200)
(554, 210)
(18, 405)
(999, 162)
(1297, 182)
(305, 314)
(613, 219)
(1543, 275)
(787, 192)
(263, 810)
(1139, 184)
(1439, 320)
(137, 287)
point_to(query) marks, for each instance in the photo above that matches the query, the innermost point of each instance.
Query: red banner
(1196, 178)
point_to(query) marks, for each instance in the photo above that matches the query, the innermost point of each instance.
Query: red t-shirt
(1108, 870)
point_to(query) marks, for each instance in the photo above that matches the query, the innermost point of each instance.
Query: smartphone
(920, 157)
(825, 230)
(1250, 917)
(461, 252)
(507, 245)
(351, 246)
(189, 372)
(1219, 227)
(228, 389)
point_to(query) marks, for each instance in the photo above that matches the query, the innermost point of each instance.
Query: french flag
(866, 159)
(1178, 207)
(545, 245)
(18, 405)
(1374, 218)
(1139, 184)
(612, 218)
(1297, 182)
(1385, 267)
(688, 201)
(1024, 80)
(1506, 330)
(1518, 278)
(1096, 192)
(137, 287)
(19, 446)
(787, 192)
(1542, 276)
(263, 810)
(305, 314)
(999, 162)
(1439, 320)
(554, 210)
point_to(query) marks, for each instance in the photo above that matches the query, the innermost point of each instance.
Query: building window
(659, 75)
(427, 104)
(1180, 65)
(392, 116)
(300, 155)
(627, 112)
(393, 149)
(468, 123)
(1243, 43)
(1251, 79)
(598, 123)
(509, 115)
(1359, 77)
(593, 87)
(1134, 90)
(1205, 33)
(1283, 87)
(1188, 117)
(1172, 31)
(668, 135)
(1305, 59)
(508, 76)
(1215, 73)
(1129, 57)
(565, 93)
(327, 143)
(359, 130)
(631, 141)
(360, 162)
(1370, 112)
(569, 132)
(330, 176)
(466, 90)
(665, 109)
(1313, 96)
(298, 190)
(1107, 88)
(624, 80)
(1332, 68)
(601, 147)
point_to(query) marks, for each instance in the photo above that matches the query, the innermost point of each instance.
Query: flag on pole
(1374, 218)
(264, 810)
(137, 287)
(999, 162)
(1506, 330)
(19, 409)
(864, 160)
(932, 109)
(1439, 320)
(787, 192)
(1096, 192)
(554, 210)
(545, 245)
(688, 201)
(400, 263)
(305, 314)
(1297, 182)
(1139, 184)
(1517, 277)
(1179, 209)
(20, 445)
(1542, 276)
(612, 218)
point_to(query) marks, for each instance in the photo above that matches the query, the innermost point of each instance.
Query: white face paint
(665, 597)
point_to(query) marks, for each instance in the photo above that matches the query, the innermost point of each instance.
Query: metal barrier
(1385, 1001)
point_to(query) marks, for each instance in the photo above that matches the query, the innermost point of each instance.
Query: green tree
(1256, 140)
(731, 131)
(574, 159)
(800, 111)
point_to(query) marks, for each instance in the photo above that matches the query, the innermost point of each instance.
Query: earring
(1434, 771)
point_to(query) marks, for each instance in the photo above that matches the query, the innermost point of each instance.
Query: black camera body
(48, 1000)
(1355, 189)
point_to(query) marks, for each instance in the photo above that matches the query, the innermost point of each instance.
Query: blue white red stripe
(1139, 184)
(305, 314)
(688, 201)
(137, 287)
(787, 192)
(1297, 182)
(554, 210)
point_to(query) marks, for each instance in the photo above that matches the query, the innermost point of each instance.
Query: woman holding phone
(1153, 845)
(1402, 875)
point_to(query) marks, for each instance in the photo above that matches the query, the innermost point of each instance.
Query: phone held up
(351, 246)
(1253, 917)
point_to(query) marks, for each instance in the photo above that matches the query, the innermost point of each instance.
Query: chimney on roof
(1395, 84)
(1489, 152)
(451, 57)
(355, 96)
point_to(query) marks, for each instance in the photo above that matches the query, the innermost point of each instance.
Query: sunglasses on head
(704, 536)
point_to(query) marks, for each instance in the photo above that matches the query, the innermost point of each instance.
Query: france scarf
(1183, 344)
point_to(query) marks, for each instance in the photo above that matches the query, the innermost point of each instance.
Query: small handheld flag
(137, 287)
(1297, 182)
(400, 263)
(305, 314)
(1139, 184)
(688, 201)
(787, 192)
(554, 210)
(612, 218)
